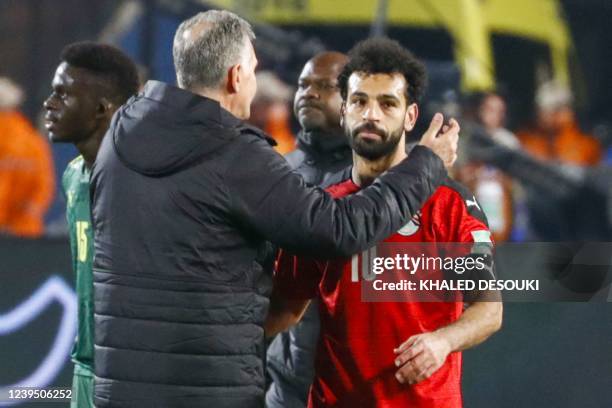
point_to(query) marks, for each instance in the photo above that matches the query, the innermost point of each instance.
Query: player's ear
(412, 113)
(342, 113)
(105, 108)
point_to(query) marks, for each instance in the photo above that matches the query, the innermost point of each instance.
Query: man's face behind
(375, 114)
(492, 112)
(70, 110)
(317, 100)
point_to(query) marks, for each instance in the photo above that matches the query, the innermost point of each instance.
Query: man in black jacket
(185, 198)
(322, 150)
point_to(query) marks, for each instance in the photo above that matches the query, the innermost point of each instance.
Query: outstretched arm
(266, 196)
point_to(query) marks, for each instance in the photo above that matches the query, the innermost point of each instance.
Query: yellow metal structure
(469, 22)
(539, 20)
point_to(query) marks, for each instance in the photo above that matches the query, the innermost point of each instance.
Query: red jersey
(354, 364)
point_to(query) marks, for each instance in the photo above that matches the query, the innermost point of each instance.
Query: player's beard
(373, 149)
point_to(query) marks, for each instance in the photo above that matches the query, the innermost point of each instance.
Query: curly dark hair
(383, 55)
(108, 62)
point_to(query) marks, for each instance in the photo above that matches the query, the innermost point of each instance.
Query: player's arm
(423, 354)
(479, 321)
(296, 281)
(283, 313)
(267, 197)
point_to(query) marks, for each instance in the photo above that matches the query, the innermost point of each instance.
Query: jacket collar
(193, 104)
(321, 142)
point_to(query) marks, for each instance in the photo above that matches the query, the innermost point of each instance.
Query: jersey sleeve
(468, 225)
(297, 277)
(473, 226)
(464, 219)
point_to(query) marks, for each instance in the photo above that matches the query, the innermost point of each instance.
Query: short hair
(107, 62)
(220, 44)
(382, 55)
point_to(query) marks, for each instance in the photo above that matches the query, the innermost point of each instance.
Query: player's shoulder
(76, 163)
(74, 168)
(456, 193)
(453, 187)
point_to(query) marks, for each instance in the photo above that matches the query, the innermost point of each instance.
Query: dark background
(33, 32)
(25, 265)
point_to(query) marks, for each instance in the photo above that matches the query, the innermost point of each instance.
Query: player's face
(248, 83)
(375, 114)
(317, 100)
(72, 107)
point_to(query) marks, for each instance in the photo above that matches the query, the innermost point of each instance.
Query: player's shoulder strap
(469, 199)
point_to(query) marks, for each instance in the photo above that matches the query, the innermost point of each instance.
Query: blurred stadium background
(538, 55)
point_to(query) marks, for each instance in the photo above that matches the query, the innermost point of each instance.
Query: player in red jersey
(386, 354)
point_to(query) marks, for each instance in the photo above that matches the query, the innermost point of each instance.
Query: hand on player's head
(443, 143)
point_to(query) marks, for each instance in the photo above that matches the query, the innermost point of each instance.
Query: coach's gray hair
(203, 59)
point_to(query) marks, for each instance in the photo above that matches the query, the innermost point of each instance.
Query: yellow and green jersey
(75, 183)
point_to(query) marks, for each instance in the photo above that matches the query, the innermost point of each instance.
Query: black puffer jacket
(318, 156)
(184, 200)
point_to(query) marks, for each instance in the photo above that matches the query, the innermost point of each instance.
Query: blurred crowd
(27, 178)
(546, 180)
(543, 181)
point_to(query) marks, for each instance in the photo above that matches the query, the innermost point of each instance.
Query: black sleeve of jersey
(481, 252)
(473, 206)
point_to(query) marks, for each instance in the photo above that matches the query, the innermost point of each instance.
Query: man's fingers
(421, 361)
(412, 373)
(452, 129)
(424, 374)
(434, 127)
(451, 135)
(445, 145)
(409, 354)
(407, 373)
(406, 344)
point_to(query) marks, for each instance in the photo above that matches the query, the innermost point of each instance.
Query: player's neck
(365, 171)
(89, 147)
